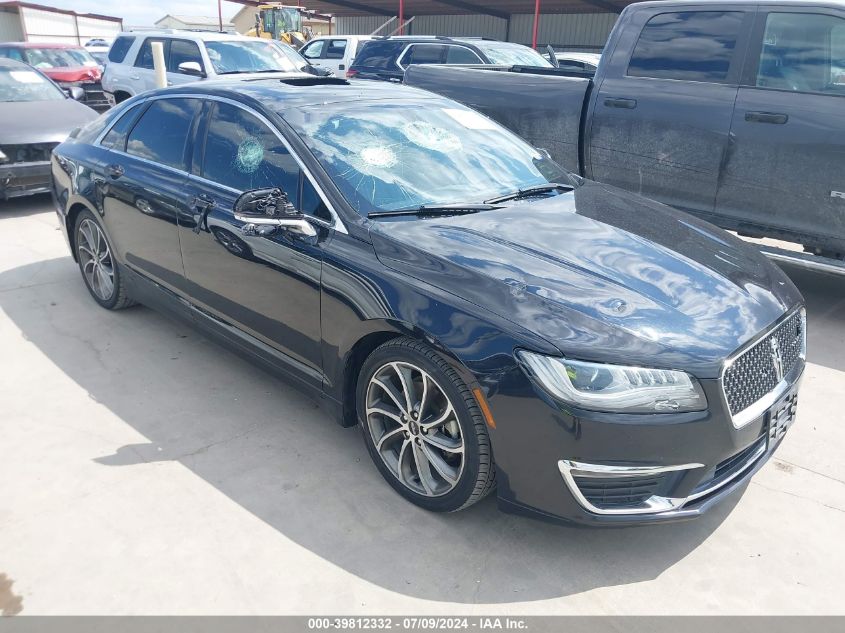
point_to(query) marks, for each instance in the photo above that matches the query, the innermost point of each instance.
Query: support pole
(536, 23)
(401, 17)
(158, 65)
(220, 14)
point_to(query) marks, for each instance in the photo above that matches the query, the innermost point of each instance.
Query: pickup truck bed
(547, 114)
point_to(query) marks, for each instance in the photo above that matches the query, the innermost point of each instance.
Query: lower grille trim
(571, 469)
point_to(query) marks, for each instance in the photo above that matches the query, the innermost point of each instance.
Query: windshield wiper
(250, 72)
(436, 209)
(527, 192)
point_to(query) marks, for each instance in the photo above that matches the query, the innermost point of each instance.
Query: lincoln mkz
(488, 320)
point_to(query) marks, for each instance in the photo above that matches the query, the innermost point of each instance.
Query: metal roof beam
(474, 8)
(357, 6)
(602, 4)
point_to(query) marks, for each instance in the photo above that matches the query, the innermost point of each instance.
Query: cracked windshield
(26, 85)
(234, 57)
(400, 155)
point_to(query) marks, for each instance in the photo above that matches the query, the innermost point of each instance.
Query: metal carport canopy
(498, 8)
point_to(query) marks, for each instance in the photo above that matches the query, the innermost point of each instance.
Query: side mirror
(263, 211)
(76, 93)
(191, 68)
(318, 71)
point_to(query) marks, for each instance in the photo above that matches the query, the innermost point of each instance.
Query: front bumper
(95, 97)
(619, 470)
(24, 179)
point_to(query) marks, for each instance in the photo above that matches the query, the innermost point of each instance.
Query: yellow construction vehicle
(281, 22)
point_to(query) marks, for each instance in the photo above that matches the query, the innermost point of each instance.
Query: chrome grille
(758, 370)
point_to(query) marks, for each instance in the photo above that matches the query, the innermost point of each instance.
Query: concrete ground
(145, 470)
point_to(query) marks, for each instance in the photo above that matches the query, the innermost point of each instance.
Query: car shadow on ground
(22, 207)
(272, 451)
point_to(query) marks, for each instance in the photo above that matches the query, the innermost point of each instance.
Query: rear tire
(423, 428)
(100, 271)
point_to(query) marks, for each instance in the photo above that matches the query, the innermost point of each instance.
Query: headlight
(615, 388)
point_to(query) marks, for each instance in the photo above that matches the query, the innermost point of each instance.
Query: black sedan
(488, 320)
(35, 116)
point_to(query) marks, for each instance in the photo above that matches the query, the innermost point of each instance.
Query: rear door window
(161, 135)
(118, 50)
(803, 52)
(422, 54)
(688, 45)
(377, 54)
(145, 55)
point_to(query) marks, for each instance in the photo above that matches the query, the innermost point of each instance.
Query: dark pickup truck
(734, 112)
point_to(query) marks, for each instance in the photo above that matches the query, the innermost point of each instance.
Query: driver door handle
(114, 170)
(202, 203)
(615, 102)
(766, 117)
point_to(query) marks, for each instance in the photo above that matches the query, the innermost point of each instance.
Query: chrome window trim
(755, 410)
(569, 469)
(336, 224)
(436, 43)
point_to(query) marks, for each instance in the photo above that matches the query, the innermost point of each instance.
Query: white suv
(334, 52)
(192, 56)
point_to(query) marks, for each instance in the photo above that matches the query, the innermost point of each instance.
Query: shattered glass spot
(378, 156)
(430, 136)
(250, 155)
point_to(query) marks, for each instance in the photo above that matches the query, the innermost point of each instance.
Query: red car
(66, 64)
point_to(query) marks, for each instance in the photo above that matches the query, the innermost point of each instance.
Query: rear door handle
(114, 170)
(614, 102)
(766, 117)
(135, 77)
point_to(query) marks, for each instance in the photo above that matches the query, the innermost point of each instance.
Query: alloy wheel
(95, 259)
(415, 429)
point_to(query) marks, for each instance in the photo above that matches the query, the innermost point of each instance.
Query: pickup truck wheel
(97, 264)
(423, 428)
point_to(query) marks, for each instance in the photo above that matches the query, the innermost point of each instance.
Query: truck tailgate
(544, 110)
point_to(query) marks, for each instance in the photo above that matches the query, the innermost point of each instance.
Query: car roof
(277, 95)
(39, 45)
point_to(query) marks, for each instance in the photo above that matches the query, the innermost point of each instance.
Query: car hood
(601, 274)
(28, 122)
(78, 73)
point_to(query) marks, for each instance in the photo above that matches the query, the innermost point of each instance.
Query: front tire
(423, 428)
(99, 269)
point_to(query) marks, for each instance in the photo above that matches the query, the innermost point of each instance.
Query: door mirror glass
(265, 203)
(191, 68)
